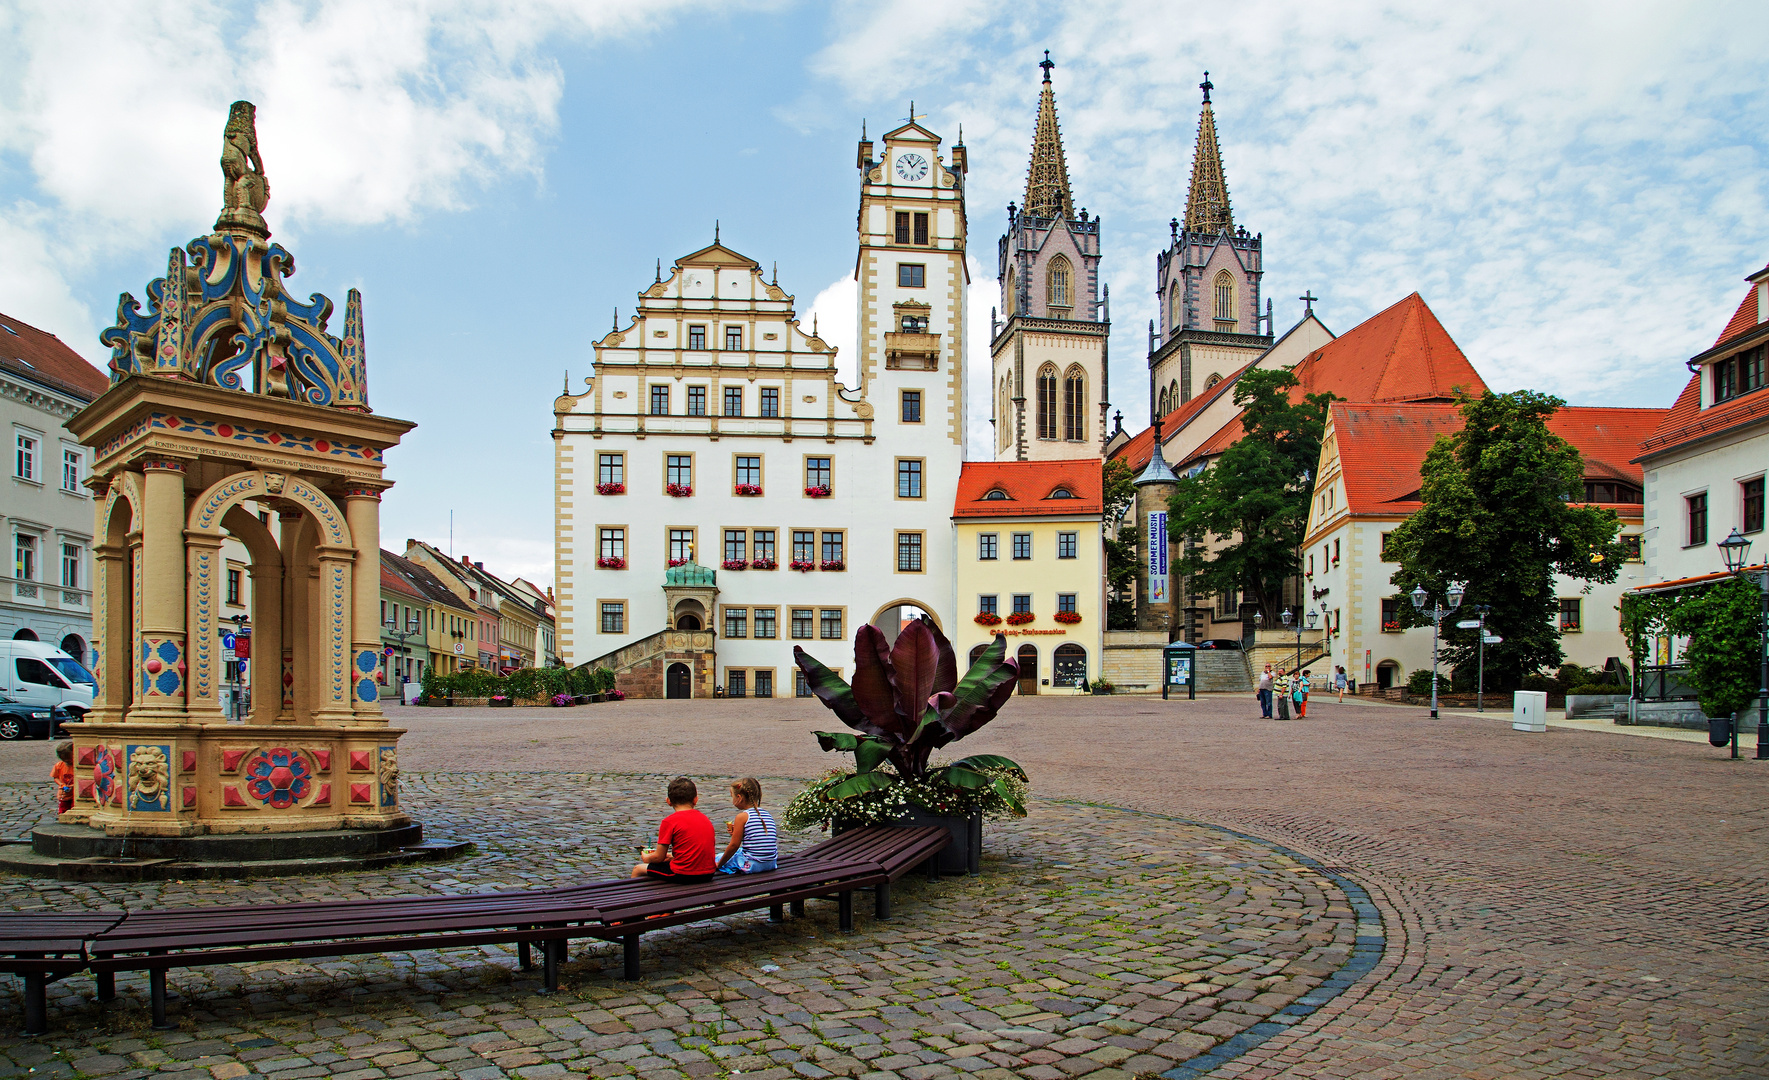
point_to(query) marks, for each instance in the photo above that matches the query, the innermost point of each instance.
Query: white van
(32, 673)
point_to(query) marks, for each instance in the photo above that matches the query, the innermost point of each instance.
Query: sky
(1577, 189)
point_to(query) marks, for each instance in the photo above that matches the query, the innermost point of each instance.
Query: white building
(47, 509)
(1705, 463)
(715, 476)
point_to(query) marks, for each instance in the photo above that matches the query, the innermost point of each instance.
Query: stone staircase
(1223, 671)
(639, 666)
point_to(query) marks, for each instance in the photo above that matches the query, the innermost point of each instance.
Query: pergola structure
(233, 412)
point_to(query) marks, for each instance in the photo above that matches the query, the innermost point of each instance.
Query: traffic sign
(1492, 639)
(227, 641)
(1468, 624)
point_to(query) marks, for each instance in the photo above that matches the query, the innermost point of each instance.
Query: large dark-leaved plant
(906, 701)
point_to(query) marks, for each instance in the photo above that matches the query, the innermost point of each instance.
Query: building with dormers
(1049, 358)
(722, 497)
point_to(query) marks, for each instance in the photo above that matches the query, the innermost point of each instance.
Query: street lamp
(1734, 552)
(1455, 593)
(412, 625)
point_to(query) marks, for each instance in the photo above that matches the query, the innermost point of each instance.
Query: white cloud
(1577, 189)
(367, 113)
(832, 314)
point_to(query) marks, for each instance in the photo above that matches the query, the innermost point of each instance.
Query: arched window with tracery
(1013, 292)
(1047, 402)
(1161, 409)
(1212, 380)
(1173, 401)
(1074, 404)
(1004, 417)
(1058, 286)
(1173, 308)
(1225, 297)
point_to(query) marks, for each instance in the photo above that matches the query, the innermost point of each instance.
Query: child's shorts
(744, 863)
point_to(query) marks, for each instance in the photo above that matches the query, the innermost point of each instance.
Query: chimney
(479, 566)
(466, 561)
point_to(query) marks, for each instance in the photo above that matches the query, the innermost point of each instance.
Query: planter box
(963, 856)
(504, 704)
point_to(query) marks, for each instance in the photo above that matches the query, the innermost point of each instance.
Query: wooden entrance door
(677, 682)
(1028, 658)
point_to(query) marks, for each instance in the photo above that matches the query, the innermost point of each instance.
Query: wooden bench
(44, 946)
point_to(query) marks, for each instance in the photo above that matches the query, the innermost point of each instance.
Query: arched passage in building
(1387, 674)
(690, 614)
(75, 646)
(893, 616)
(1068, 665)
(25, 633)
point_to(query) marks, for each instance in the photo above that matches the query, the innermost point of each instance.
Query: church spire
(1047, 180)
(1206, 208)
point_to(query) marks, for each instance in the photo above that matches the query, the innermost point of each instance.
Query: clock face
(911, 167)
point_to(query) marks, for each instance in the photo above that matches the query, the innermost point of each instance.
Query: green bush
(1540, 682)
(1419, 683)
(1598, 688)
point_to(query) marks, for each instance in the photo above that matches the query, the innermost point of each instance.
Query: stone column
(330, 608)
(362, 511)
(164, 665)
(111, 645)
(207, 673)
(294, 577)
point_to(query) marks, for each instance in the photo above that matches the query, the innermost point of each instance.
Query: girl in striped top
(755, 838)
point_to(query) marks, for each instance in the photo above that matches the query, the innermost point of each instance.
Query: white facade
(715, 387)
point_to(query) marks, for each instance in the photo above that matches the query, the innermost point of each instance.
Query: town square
(435, 648)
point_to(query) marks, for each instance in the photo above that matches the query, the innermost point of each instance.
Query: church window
(697, 401)
(1013, 292)
(911, 275)
(902, 227)
(1074, 405)
(660, 401)
(1173, 320)
(1173, 394)
(770, 402)
(1161, 409)
(1047, 402)
(733, 401)
(1058, 288)
(697, 337)
(921, 228)
(1212, 380)
(733, 338)
(1225, 297)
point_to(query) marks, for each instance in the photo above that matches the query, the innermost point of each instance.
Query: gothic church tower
(1206, 285)
(1049, 355)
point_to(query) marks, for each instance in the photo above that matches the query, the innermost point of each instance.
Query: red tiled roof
(1400, 354)
(393, 581)
(1745, 318)
(39, 355)
(1382, 447)
(1686, 421)
(1028, 485)
(1141, 447)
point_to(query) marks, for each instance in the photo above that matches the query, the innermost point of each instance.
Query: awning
(1678, 584)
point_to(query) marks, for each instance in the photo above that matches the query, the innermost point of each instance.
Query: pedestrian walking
(1281, 687)
(1339, 683)
(1301, 694)
(1263, 693)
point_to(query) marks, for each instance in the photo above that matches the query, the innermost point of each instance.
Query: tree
(1721, 622)
(1119, 491)
(1254, 499)
(1502, 515)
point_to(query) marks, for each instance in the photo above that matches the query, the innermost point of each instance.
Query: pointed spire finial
(776, 278)
(659, 270)
(616, 325)
(715, 230)
(1047, 178)
(1047, 63)
(1207, 207)
(567, 389)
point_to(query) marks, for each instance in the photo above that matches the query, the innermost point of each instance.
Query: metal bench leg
(523, 959)
(881, 901)
(777, 913)
(933, 868)
(551, 953)
(36, 1004)
(798, 909)
(156, 983)
(845, 907)
(630, 956)
(107, 985)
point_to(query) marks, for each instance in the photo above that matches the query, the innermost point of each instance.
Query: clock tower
(912, 280)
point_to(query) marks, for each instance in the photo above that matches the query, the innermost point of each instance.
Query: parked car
(32, 673)
(20, 721)
(1219, 643)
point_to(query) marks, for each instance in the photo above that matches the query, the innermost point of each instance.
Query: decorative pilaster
(331, 612)
(160, 694)
(110, 633)
(362, 512)
(204, 563)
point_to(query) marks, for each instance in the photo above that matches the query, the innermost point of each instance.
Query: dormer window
(1739, 374)
(995, 495)
(1061, 493)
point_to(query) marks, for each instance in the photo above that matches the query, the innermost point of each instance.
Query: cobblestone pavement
(1097, 941)
(1577, 903)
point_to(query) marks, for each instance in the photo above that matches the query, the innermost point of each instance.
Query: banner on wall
(1158, 557)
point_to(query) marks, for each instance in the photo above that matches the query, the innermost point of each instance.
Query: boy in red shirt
(687, 834)
(63, 776)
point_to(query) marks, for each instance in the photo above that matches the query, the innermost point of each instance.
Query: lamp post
(412, 625)
(240, 622)
(1290, 618)
(1438, 611)
(1734, 551)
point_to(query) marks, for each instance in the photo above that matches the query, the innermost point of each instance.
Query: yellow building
(1031, 565)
